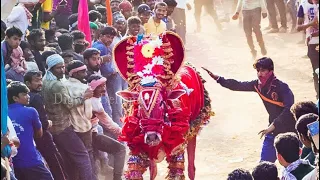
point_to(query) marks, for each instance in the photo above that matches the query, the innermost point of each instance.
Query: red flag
(83, 20)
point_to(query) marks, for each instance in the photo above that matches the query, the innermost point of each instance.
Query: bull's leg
(191, 149)
(153, 170)
(176, 167)
(137, 166)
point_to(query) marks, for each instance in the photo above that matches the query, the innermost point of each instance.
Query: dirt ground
(230, 141)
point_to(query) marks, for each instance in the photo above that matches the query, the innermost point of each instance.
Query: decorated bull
(166, 104)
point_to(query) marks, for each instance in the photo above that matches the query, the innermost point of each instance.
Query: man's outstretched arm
(232, 84)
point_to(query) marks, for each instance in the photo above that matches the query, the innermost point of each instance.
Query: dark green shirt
(307, 154)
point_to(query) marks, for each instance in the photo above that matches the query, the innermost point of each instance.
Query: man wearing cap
(277, 98)
(120, 23)
(126, 8)
(58, 103)
(144, 13)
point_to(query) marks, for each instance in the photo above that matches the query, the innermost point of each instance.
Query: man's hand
(265, 132)
(16, 142)
(235, 16)
(189, 6)
(106, 58)
(264, 15)
(88, 94)
(214, 76)
(49, 124)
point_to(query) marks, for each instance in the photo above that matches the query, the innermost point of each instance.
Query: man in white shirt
(252, 10)
(307, 12)
(20, 17)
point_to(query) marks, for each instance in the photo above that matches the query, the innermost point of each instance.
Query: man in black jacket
(277, 99)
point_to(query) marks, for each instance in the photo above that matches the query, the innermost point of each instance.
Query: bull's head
(152, 110)
(149, 65)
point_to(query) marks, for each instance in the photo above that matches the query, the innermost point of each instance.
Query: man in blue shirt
(115, 83)
(28, 162)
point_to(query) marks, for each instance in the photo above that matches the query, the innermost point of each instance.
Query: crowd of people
(63, 114)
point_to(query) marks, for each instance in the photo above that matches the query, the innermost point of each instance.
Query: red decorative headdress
(148, 61)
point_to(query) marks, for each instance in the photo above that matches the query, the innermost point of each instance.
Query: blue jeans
(37, 172)
(75, 153)
(106, 104)
(115, 83)
(268, 150)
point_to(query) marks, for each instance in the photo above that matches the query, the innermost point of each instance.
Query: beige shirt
(80, 115)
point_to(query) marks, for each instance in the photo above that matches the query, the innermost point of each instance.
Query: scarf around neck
(266, 80)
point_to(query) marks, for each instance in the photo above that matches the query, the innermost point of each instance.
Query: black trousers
(50, 153)
(313, 54)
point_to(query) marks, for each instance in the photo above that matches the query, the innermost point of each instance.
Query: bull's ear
(128, 96)
(175, 94)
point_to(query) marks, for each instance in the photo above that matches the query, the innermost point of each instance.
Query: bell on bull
(167, 104)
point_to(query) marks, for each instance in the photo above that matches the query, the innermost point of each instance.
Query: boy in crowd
(134, 25)
(302, 129)
(265, 171)
(252, 11)
(288, 155)
(45, 144)
(240, 174)
(12, 41)
(155, 24)
(28, 162)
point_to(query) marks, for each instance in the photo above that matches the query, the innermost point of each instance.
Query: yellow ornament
(147, 50)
